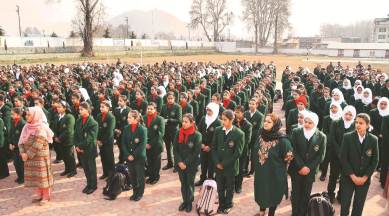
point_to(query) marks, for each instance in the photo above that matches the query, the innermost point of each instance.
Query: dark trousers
(68, 159)
(18, 164)
(242, 171)
(121, 155)
(324, 164)
(107, 158)
(225, 189)
(58, 148)
(153, 163)
(89, 165)
(271, 212)
(136, 171)
(207, 166)
(349, 189)
(334, 174)
(4, 171)
(301, 191)
(169, 139)
(187, 178)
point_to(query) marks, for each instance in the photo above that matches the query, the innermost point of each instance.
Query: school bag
(123, 169)
(208, 201)
(320, 205)
(114, 186)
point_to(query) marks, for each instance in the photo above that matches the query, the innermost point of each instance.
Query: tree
(144, 36)
(132, 35)
(211, 16)
(107, 33)
(53, 34)
(361, 29)
(72, 34)
(2, 32)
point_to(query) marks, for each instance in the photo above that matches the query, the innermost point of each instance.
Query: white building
(381, 30)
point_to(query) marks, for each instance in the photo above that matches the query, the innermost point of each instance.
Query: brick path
(161, 199)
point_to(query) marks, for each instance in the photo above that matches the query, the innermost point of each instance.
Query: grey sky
(307, 15)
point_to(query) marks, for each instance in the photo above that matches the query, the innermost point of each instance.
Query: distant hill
(151, 22)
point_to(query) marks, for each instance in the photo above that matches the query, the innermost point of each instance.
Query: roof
(360, 46)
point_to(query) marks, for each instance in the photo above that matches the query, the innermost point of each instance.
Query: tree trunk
(275, 49)
(256, 39)
(88, 32)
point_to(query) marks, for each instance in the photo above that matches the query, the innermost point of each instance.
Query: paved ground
(161, 199)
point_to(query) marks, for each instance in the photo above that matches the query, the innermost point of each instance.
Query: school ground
(161, 199)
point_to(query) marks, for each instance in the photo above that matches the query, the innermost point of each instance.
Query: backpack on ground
(208, 201)
(123, 169)
(114, 186)
(320, 205)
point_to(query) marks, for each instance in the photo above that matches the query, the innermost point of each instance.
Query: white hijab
(303, 113)
(384, 112)
(358, 96)
(341, 98)
(338, 114)
(162, 90)
(347, 109)
(348, 86)
(215, 113)
(369, 99)
(313, 117)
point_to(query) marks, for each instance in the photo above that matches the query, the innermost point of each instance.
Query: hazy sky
(306, 18)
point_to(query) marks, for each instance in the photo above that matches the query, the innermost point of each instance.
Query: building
(381, 30)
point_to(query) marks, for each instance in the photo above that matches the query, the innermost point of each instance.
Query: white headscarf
(162, 90)
(338, 114)
(313, 117)
(215, 113)
(347, 109)
(384, 112)
(369, 99)
(341, 98)
(348, 86)
(358, 96)
(303, 113)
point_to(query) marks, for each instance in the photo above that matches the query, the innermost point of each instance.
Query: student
(13, 139)
(64, 137)
(4, 171)
(121, 115)
(385, 148)
(133, 145)
(227, 102)
(155, 125)
(185, 106)
(359, 159)
(153, 97)
(207, 127)
(187, 146)
(85, 137)
(172, 113)
(301, 104)
(105, 138)
(308, 149)
(227, 146)
(139, 104)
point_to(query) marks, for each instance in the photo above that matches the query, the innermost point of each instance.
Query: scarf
(133, 127)
(308, 133)
(337, 115)
(183, 104)
(384, 112)
(184, 134)
(353, 111)
(103, 116)
(139, 102)
(369, 99)
(358, 96)
(84, 119)
(16, 121)
(272, 134)
(226, 103)
(150, 118)
(37, 126)
(215, 114)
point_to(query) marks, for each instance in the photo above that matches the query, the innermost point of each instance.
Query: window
(340, 53)
(372, 53)
(356, 53)
(381, 37)
(382, 29)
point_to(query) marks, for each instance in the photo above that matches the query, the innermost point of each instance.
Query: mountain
(151, 22)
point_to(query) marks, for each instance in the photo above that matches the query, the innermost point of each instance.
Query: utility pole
(20, 27)
(126, 28)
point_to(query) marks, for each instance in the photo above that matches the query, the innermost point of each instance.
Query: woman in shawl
(34, 151)
(380, 123)
(337, 97)
(273, 152)
(207, 127)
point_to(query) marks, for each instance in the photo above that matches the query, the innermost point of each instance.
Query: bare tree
(2, 32)
(211, 16)
(361, 29)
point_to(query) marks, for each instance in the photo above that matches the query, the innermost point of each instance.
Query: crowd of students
(216, 117)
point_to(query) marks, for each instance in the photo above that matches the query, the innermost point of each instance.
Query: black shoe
(71, 174)
(188, 207)
(132, 197)
(64, 173)
(220, 210)
(199, 183)
(322, 178)
(226, 210)
(238, 190)
(137, 198)
(154, 181)
(182, 207)
(19, 181)
(56, 161)
(168, 166)
(103, 177)
(85, 189)
(90, 190)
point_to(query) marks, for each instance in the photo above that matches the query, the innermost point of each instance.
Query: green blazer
(292, 119)
(189, 152)
(106, 128)
(385, 138)
(195, 106)
(134, 143)
(157, 100)
(309, 154)
(226, 149)
(247, 129)
(142, 108)
(207, 133)
(207, 93)
(188, 109)
(173, 116)
(155, 133)
(121, 117)
(14, 133)
(202, 103)
(257, 121)
(356, 158)
(2, 134)
(85, 136)
(64, 129)
(335, 138)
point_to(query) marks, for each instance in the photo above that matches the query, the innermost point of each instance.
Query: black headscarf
(274, 133)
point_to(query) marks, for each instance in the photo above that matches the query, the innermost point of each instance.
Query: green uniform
(157, 100)
(226, 150)
(247, 129)
(121, 116)
(64, 131)
(360, 159)
(4, 171)
(200, 98)
(155, 134)
(385, 148)
(106, 137)
(187, 109)
(140, 107)
(13, 138)
(309, 153)
(173, 116)
(256, 119)
(195, 106)
(271, 180)
(134, 143)
(188, 153)
(85, 137)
